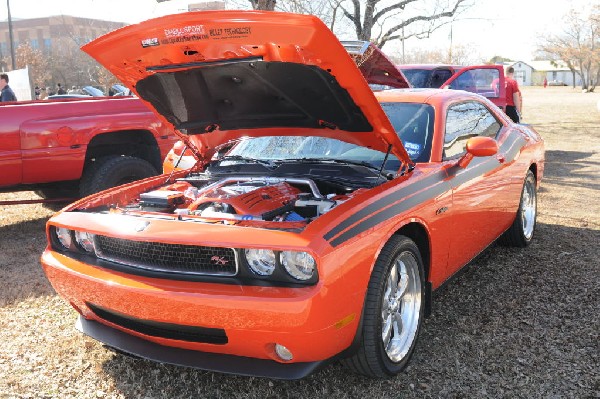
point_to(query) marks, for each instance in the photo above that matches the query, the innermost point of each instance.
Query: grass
(516, 323)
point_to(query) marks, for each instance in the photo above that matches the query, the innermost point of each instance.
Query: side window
(466, 120)
(483, 81)
(438, 77)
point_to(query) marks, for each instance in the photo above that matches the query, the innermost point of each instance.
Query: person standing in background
(60, 90)
(514, 101)
(7, 93)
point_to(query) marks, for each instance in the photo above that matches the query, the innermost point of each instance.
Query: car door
(485, 80)
(10, 149)
(478, 211)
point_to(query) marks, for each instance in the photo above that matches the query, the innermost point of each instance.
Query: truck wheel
(113, 171)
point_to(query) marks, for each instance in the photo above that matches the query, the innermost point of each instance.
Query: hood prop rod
(387, 155)
(177, 163)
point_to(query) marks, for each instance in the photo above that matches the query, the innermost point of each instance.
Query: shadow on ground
(562, 166)
(21, 246)
(516, 322)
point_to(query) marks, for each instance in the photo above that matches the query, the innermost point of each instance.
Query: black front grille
(175, 258)
(162, 330)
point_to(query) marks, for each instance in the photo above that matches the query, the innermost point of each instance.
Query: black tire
(521, 232)
(373, 357)
(113, 171)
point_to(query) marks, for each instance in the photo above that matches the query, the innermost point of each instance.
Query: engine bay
(239, 199)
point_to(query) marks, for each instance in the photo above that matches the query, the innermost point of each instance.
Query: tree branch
(399, 5)
(423, 18)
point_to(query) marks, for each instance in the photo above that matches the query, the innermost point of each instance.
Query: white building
(532, 73)
(556, 72)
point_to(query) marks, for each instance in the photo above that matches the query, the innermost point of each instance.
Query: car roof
(430, 66)
(423, 95)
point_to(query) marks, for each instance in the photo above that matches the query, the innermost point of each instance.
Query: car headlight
(300, 265)
(64, 237)
(85, 241)
(261, 261)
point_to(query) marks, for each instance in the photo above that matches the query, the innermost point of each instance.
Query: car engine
(241, 199)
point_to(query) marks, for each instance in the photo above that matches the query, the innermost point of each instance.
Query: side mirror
(482, 146)
(478, 147)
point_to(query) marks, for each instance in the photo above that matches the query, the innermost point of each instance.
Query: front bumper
(189, 358)
(315, 323)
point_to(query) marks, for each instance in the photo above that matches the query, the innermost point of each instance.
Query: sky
(508, 28)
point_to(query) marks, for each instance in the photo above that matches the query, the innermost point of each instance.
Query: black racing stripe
(384, 202)
(392, 211)
(478, 167)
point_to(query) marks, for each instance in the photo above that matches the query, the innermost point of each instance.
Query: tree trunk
(268, 5)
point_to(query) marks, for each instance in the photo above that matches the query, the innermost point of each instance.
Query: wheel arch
(417, 232)
(534, 169)
(135, 143)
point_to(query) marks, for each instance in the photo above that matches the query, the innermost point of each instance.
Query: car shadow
(21, 274)
(570, 168)
(508, 314)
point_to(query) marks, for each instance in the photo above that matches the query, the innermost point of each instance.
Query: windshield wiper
(379, 171)
(245, 159)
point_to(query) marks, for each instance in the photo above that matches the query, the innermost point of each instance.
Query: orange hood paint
(225, 75)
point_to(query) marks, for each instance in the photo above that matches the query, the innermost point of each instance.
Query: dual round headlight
(261, 261)
(83, 239)
(299, 265)
(64, 237)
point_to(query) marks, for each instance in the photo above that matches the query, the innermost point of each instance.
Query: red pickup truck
(75, 147)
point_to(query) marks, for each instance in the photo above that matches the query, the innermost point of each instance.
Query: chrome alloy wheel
(528, 208)
(401, 306)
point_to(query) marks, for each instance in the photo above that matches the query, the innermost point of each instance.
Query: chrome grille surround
(168, 258)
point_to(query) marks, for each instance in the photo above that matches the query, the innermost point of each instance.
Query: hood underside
(208, 97)
(225, 75)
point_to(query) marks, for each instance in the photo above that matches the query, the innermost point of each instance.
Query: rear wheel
(520, 233)
(113, 171)
(393, 311)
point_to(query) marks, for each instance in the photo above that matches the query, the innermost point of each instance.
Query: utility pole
(10, 34)
(450, 49)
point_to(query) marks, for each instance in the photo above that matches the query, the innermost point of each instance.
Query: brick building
(45, 33)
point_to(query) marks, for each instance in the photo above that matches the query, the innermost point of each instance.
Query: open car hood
(224, 75)
(375, 66)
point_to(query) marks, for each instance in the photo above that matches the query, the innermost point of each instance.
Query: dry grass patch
(516, 323)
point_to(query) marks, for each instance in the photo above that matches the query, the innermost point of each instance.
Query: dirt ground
(515, 323)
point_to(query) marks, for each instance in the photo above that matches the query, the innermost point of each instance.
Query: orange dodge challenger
(319, 217)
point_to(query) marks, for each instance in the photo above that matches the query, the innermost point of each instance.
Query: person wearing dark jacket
(60, 90)
(7, 93)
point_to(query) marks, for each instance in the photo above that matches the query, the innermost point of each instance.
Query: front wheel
(393, 311)
(520, 233)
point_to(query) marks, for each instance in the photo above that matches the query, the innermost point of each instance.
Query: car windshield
(412, 122)
(92, 91)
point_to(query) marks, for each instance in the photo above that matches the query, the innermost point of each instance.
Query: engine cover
(250, 199)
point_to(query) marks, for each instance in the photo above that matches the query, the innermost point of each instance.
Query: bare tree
(400, 20)
(268, 5)
(578, 46)
(461, 55)
(35, 60)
